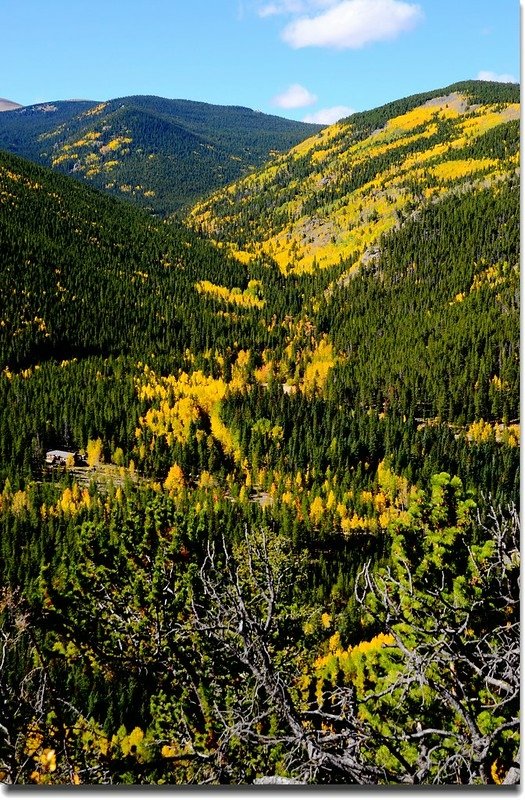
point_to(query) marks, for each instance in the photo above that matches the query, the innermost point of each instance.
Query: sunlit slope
(333, 196)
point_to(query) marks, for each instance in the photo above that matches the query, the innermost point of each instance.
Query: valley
(295, 379)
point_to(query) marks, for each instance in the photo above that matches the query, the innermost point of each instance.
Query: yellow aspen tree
(175, 479)
(316, 510)
(94, 452)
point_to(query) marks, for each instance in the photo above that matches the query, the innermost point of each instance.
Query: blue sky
(302, 59)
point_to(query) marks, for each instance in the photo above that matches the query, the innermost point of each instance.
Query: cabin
(60, 458)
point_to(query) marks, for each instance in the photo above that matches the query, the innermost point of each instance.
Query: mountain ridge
(160, 153)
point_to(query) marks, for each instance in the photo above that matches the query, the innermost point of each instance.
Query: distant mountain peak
(8, 105)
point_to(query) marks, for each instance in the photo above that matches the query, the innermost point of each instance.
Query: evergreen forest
(259, 466)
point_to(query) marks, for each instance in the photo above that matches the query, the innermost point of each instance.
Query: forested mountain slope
(159, 153)
(333, 195)
(74, 261)
(282, 537)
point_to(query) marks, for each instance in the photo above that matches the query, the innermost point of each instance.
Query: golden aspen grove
(259, 444)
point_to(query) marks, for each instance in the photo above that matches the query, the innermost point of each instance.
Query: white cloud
(327, 116)
(296, 96)
(268, 11)
(293, 7)
(353, 24)
(282, 7)
(487, 75)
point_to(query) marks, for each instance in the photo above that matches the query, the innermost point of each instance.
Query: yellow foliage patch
(316, 371)
(245, 299)
(354, 222)
(64, 157)
(452, 170)
(351, 661)
(87, 139)
(178, 401)
(116, 144)
(93, 112)
(481, 431)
